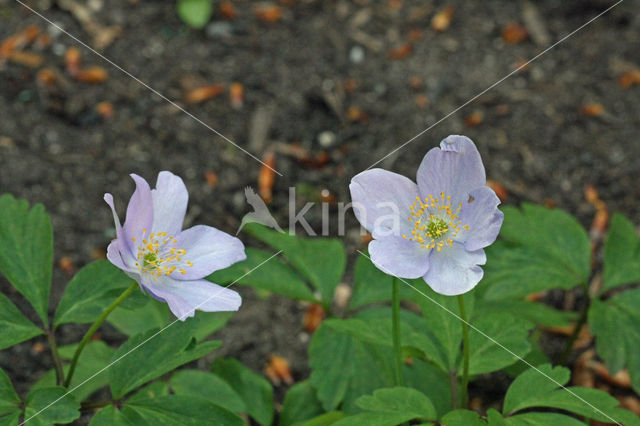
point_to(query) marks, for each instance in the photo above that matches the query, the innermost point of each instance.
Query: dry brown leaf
(105, 109)
(442, 19)
(278, 370)
(227, 10)
(236, 95)
(72, 61)
(499, 189)
(313, 317)
(211, 178)
(269, 13)
(37, 348)
(630, 402)
(18, 40)
(46, 76)
(421, 101)
(66, 265)
(414, 35)
(203, 93)
(591, 194)
(416, 82)
(267, 176)
(93, 75)
(400, 52)
(592, 109)
(27, 59)
(367, 238)
(514, 33)
(620, 379)
(474, 119)
(629, 78)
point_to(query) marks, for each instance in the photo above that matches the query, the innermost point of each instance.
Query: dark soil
(301, 76)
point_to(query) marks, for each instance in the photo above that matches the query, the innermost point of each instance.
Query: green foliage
(540, 249)
(274, 276)
(391, 406)
(621, 254)
(195, 13)
(151, 354)
(92, 289)
(9, 401)
(300, 404)
(255, 390)
(26, 251)
(321, 261)
(200, 384)
(14, 327)
(371, 285)
(60, 407)
(461, 418)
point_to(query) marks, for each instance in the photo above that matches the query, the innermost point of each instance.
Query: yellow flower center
(158, 255)
(435, 222)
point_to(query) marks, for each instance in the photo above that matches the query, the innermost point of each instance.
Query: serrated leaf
(532, 384)
(154, 314)
(110, 416)
(300, 404)
(153, 353)
(614, 323)
(461, 418)
(274, 276)
(430, 381)
(509, 332)
(195, 13)
(343, 368)
(322, 261)
(621, 254)
(540, 249)
(533, 419)
(255, 390)
(94, 358)
(14, 327)
(92, 289)
(178, 410)
(26, 251)
(9, 400)
(47, 406)
(208, 386)
(536, 312)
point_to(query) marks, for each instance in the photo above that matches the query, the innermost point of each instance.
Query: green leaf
(92, 289)
(344, 368)
(614, 323)
(110, 416)
(154, 314)
(209, 386)
(150, 391)
(621, 254)
(300, 404)
(50, 405)
(255, 390)
(274, 276)
(533, 419)
(9, 401)
(94, 358)
(326, 419)
(195, 13)
(430, 381)
(539, 388)
(26, 251)
(540, 249)
(153, 353)
(322, 261)
(509, 332)
(178, 410)
(461, 418)
(537, 313)
(371, 285)
(14, 327)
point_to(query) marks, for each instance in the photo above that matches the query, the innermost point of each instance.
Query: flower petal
(184, 297)
(170, 198)
(454, 270)
(482, 216)
(381, 201)
(209, 249)
(455, 169)
(121, 257)
(139, 211)
(399, 257)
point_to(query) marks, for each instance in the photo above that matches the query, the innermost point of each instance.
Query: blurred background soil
(325, 89)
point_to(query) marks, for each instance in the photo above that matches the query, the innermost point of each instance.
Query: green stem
(465, 352)
(395, 320)
(453, 386)
(94, 328)
(56, 356)
(574, 335)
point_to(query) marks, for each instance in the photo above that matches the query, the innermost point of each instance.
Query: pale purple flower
(436, 229)
(166, 261)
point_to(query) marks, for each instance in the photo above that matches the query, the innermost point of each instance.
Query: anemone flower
(435, 229)
(167, 262)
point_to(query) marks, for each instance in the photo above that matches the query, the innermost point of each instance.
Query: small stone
(218, 29)
(356, 55)
(326, 138)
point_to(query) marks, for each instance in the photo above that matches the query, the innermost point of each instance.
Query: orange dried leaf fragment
(474, 119)
(630, 78)
(400, 52)
(278, 370)
(442, 19)
(66, 265)
(267, 176)
(227, 10)
(27, 59)
(104, 109)
(514, 33)
(72, 61)
(203, 93)
(236, 95)
(313, 317)
(211, 178)
(592, 109)
(499, 189)
(93, 75)
(269, 13)
(18, 40)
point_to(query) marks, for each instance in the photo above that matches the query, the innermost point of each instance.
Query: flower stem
(56, 356)
(574, 334)
(465, 352)
(94, 328)
(395, 320)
